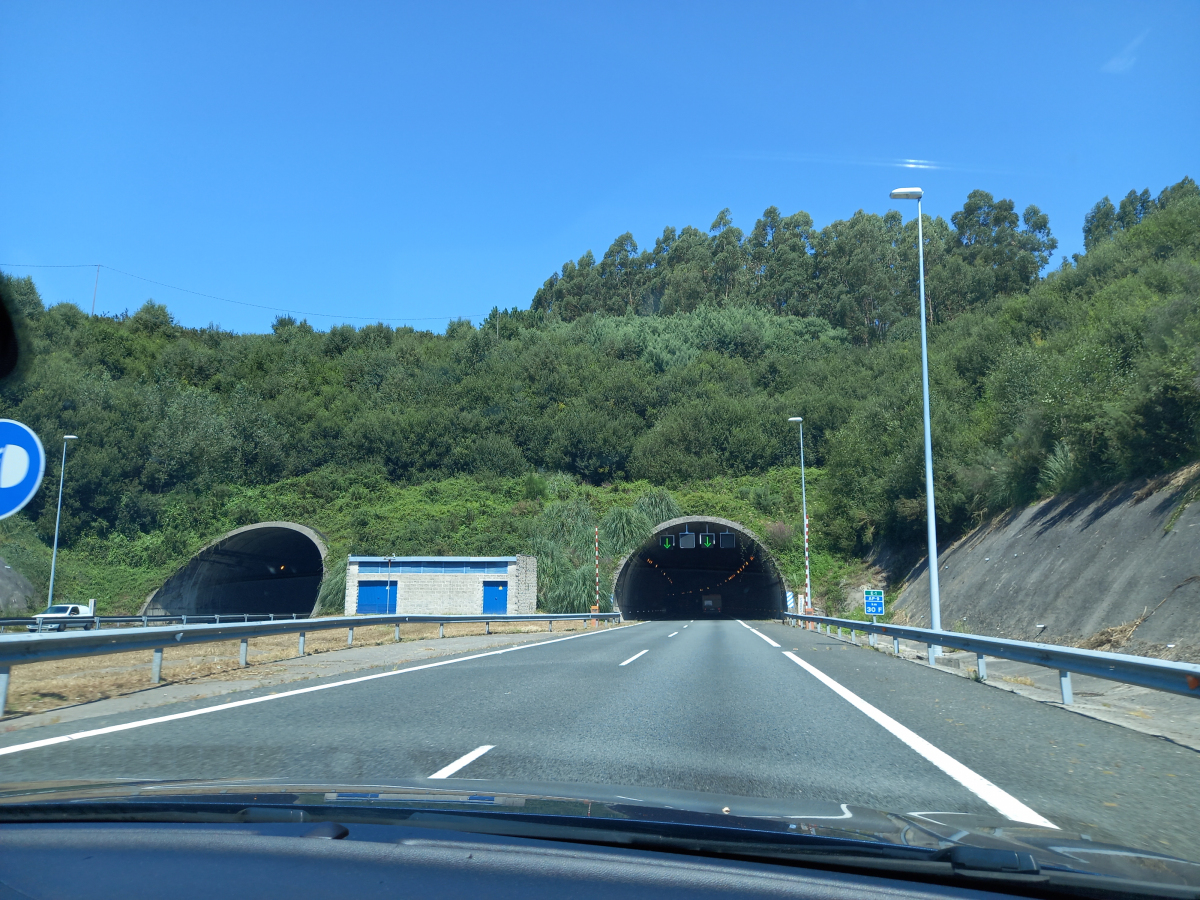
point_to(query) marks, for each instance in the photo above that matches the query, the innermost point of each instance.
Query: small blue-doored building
(441, 585)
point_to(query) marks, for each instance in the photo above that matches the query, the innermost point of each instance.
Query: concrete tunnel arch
(667, 579)
(268, 568)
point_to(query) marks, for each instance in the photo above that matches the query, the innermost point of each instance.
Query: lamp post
(808, 607)
(58, 517)
(935, 598)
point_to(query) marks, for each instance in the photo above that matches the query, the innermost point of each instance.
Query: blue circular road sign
(22, 465)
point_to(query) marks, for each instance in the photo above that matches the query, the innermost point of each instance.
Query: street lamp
(804, 508)
(935, 599)
(58, 517)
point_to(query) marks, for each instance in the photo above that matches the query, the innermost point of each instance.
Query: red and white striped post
(808, 607)
(807, 576)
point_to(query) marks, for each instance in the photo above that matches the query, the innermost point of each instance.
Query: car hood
(599, 813)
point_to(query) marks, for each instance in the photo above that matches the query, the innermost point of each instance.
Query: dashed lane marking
(635, 656)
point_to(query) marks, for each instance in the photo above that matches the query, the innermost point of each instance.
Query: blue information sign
(873, 603)
(22, 464)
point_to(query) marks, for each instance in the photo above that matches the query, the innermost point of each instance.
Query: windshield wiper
(980, 867)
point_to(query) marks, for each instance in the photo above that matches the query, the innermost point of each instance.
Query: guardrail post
(1064, 684)
(487, 627)
(981, 666)
(895, 646)
(397, 634)
(156, 666)
(551, 624)
(302, 643)
(242, 652)
(145, 622)
(350, 636)
(933, 653)
(871, 638)
(3, 689)
(441, 629)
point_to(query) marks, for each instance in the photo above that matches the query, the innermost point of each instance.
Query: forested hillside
(675, 367)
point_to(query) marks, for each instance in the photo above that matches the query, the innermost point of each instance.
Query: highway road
(730, 708)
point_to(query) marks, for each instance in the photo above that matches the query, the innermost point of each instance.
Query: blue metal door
(495, 598)
(376, 598)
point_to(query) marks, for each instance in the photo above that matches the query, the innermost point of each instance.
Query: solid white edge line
(462, 761)
(673, 633)
(740, 622)
(95, 732)
(763, 636)
(1002, 801)
(635, 656)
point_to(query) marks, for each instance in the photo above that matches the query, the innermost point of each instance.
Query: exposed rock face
(1079, 565)
(16, 593)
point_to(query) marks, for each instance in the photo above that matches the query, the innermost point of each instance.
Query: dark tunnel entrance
(700, 566)
(269, 568)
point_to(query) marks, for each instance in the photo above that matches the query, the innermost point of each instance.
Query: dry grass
(1018, 679)
(39, 687)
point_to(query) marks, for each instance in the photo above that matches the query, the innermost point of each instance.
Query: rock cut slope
(1118, 570)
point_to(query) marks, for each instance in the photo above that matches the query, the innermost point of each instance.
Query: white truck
(62, 616)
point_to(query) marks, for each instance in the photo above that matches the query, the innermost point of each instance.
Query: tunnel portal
(696, 566)
(268, 568)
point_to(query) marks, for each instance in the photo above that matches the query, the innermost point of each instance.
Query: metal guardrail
(22, 649)
(100, 621)
(1143, 671)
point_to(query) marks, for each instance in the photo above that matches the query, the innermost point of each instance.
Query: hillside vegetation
(674, 368)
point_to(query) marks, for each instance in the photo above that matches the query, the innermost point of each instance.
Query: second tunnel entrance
(700, 565)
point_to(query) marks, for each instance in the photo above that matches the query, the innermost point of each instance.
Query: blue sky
(416, 162)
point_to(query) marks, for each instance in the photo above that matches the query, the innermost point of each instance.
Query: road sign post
(873, 607)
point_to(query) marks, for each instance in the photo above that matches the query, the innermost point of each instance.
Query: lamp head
(70, 437)
(795, 419)
(909, 193)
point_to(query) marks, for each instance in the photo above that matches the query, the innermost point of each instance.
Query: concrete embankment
(1118, 570)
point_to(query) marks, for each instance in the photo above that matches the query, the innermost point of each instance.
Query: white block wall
(451, 594)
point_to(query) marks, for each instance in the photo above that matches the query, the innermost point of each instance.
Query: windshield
(474, 401)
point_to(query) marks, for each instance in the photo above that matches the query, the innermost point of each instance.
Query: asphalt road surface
(709, 705)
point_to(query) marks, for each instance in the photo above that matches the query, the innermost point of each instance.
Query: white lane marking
(689, 623)
(846, 814)
(463, 761)
(740, 622)
(1002, 801)
(635, 656)
(96, 732)
(763, 636)
(673, 633)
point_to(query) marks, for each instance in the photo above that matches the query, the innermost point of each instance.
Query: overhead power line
(236, 302)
